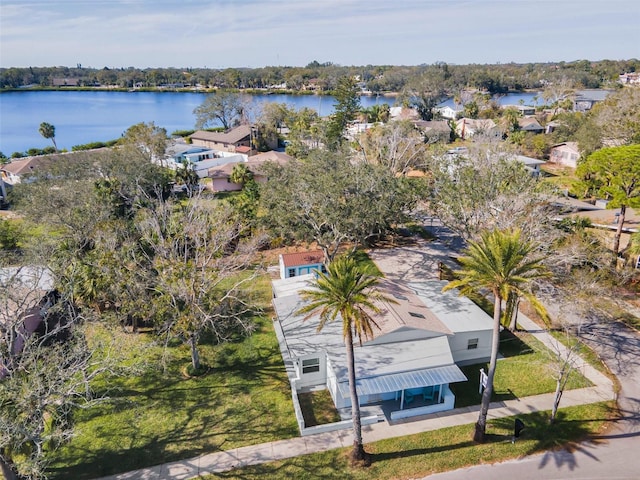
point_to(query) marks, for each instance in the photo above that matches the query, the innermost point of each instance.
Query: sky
(253, 33)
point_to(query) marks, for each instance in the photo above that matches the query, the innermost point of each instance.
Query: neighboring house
(566, 154)
(531, 164)
(584, 100)
(468, 127)
(403, 113)
(435, 130)
(221, 175)
(524, 110)
(26, 293)
(190, 154)
(551, 126)
(629, 78)
(16, 170)
(406, 368)
(529, 124)
(204, 167)
(450, 112)
(301, 263)
(355, 128)
(66, 82)
(228, 141)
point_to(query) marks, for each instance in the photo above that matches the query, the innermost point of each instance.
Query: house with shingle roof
(530, 124)
(14, 171)
(228, 141)
(221, 174)
(405, 369)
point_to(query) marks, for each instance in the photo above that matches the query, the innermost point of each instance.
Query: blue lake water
(82, 117)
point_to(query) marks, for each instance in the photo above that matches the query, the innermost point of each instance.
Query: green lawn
(523, 371)
(415, 456)
(162, 416)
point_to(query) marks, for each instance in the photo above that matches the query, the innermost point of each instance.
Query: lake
(98, 116)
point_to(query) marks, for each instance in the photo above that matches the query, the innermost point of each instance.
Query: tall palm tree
(48, 131)
(347, 291)
(500, 262)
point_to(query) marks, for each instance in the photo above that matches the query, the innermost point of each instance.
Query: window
(310, 365)
(292, 272)
(472, 344)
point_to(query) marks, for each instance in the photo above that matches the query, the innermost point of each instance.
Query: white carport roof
(395, 382)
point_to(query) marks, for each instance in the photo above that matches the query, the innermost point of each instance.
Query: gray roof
(302, 338)
(592, 95)
(457, 312)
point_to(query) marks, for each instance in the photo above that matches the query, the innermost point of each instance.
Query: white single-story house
(566, 154)
(301, 263)
(523, 110)
(406, 367)
(531, 164)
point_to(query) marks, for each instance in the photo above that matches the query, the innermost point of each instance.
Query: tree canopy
(614, 173)
(333, 201)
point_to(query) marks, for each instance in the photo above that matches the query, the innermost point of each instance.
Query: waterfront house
(227, 141)
(584, 100)
(450, 112)
(406, 368)
(17, 170)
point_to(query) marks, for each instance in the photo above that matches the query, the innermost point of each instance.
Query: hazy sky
(253, 33)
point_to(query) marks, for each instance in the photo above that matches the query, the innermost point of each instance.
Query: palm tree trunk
(481, 425)
(358, 453)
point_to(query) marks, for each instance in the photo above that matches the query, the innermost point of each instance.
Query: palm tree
(240, 174)
(347, 291)
(501, 263)
(48, 131)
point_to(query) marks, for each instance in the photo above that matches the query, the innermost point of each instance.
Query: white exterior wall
(462, 355)
(314, 378)
(402, 335)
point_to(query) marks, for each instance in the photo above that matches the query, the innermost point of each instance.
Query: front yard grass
(523, 371)
(423, 454)
(161, 416)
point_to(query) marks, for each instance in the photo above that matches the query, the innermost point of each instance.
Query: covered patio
(409, 394)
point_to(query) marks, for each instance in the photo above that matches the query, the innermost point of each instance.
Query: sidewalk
(268, 452)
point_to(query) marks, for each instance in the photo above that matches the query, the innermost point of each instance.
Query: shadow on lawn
(200, 415)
